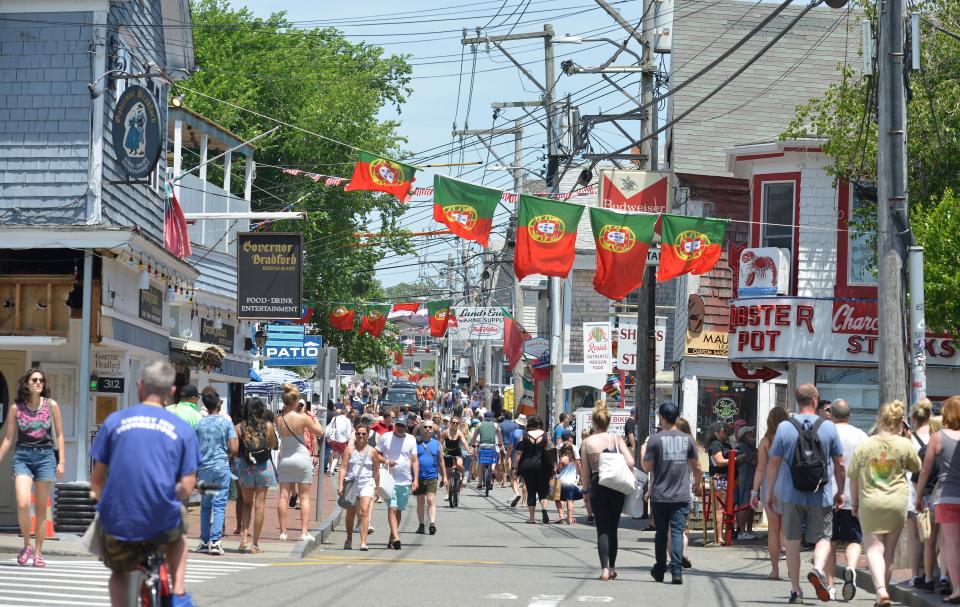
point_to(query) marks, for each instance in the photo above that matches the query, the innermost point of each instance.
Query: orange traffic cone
(33, 517)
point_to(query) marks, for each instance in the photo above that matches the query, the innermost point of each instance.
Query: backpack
(257, 452)
(808, 469)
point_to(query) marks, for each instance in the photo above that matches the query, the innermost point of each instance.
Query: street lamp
(260, 338)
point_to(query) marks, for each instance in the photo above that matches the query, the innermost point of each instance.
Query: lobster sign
(764, 271)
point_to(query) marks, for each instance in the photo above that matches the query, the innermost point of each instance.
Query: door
(11, 368)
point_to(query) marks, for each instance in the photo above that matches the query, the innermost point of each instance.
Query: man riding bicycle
(488, 442)
(145, 463)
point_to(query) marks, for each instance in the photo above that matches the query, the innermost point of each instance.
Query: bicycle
(455, 482)
(487, 456)
(150, 584)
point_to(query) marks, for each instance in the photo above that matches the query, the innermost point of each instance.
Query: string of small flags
(332, 181)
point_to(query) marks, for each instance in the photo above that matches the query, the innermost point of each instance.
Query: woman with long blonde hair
(879, 492)
(294, 463)
(760, 487)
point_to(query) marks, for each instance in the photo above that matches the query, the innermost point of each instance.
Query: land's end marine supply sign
(269, 276)
(136, 131)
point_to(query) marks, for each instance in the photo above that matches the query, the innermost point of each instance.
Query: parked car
(400, 397)
(403, 385)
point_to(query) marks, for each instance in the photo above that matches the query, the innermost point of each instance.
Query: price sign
(110, 385)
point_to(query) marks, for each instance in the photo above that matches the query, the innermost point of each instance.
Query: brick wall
(45, 66)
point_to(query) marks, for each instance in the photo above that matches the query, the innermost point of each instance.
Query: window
(777, 216)
(727, 401)
(859, 386)
(860, 253)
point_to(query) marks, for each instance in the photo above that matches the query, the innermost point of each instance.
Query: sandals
(39, 562)
(25, 555)
(244, 548)
(255, 549)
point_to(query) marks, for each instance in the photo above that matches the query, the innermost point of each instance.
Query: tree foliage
(846, 117)
(330, 90)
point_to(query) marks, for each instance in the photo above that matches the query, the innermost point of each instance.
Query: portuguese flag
(622, 243)
(374, 320)
(341, 318)
(689, 245)
(465, 208)
(546, 236)
(378, 174)
(439, 314)
(513, 338)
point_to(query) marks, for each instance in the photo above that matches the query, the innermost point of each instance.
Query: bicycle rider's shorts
(121, 557)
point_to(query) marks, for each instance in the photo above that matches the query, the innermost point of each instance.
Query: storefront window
(857, 385)
(584, 397)
(728, 401)
(861, 254)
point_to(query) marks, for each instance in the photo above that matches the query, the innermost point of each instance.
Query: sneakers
(182, 600)
(796, 598)
(215, 549)
(677, 579)
(204, 547)
(819, 582)
(307, 537)
(686, 563)
(283, 537)
(849, 589)
(433, 529)
(832, 591)
(747, 535)
(421, 530)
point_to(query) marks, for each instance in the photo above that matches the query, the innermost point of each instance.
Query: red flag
(398, 358)
(513, 338)
(341, 318)
(176, 238)
(305, 318)
(374, 320)
(405, 307)
(439, 314)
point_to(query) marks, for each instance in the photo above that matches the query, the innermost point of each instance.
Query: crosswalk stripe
(84, 583)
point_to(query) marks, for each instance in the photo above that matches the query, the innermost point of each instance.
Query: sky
(452, 84)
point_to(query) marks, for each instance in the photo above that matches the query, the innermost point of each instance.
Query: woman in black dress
(534, 468)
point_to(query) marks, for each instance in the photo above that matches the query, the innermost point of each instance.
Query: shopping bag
(633, 504)
(387, 484)
(614, 472)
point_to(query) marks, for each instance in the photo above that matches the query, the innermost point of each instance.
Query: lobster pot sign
(764, 271)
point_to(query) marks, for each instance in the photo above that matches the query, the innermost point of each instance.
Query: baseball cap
(488, 415)
(189, 391)
(740, 423)
(743, 431)
(670, 411)
(402, 420)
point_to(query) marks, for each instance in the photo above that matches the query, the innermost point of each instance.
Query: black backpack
(809, 466)
(257, 451)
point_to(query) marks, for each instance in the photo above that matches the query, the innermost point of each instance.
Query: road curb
(899, 594)
(46, 551)
(320, 534)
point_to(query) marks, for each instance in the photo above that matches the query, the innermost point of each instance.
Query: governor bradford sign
(269, 276)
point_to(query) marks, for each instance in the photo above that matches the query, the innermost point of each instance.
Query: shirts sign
(269, 275)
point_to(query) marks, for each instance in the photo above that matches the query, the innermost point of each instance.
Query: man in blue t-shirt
(559, 428)
(145, 463)
(813, 509)
(431, 474)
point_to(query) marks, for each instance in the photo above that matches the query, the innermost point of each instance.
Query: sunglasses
(428, 427)
(361, 433)
(37, 380)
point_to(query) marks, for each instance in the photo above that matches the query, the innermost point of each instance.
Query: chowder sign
(136, 131)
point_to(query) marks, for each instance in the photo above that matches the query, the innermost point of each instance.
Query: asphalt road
(484, 554)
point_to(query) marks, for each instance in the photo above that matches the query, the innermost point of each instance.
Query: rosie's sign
(269, 276)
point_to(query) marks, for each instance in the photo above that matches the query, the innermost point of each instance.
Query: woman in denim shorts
(39, 436)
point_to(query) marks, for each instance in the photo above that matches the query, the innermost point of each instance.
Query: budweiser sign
(855, 317)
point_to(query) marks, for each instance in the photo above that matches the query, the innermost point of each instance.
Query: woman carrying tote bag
(359, 484)
(607, 462)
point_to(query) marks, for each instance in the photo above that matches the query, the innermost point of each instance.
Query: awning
(213, 360)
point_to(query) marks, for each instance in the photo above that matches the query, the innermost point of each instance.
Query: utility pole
(517, 290)
(555, 393)
(891, 202)
(448, 354)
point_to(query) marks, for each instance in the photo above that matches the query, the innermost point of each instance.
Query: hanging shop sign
(828, 330)
(210, 334)
(269, 275)
(636, 191)
(287, 346)
(136, 131)
(479, 323)
(626, 338)
(151, 305)
(618, 421)
(597, 351)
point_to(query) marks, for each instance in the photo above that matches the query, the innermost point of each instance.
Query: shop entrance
(726, 401)
(11, 368)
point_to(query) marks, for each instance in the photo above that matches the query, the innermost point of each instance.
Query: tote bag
(387, 484)
(614, 472)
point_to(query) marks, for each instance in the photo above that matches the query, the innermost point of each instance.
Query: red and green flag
(341, 318)
(546, 237)
(374, 319)
(622, 243)
(439, 314)
(689, 245)
(378, 174)
(465, 208)
(513, 338)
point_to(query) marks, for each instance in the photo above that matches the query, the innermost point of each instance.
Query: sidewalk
(68, 544)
